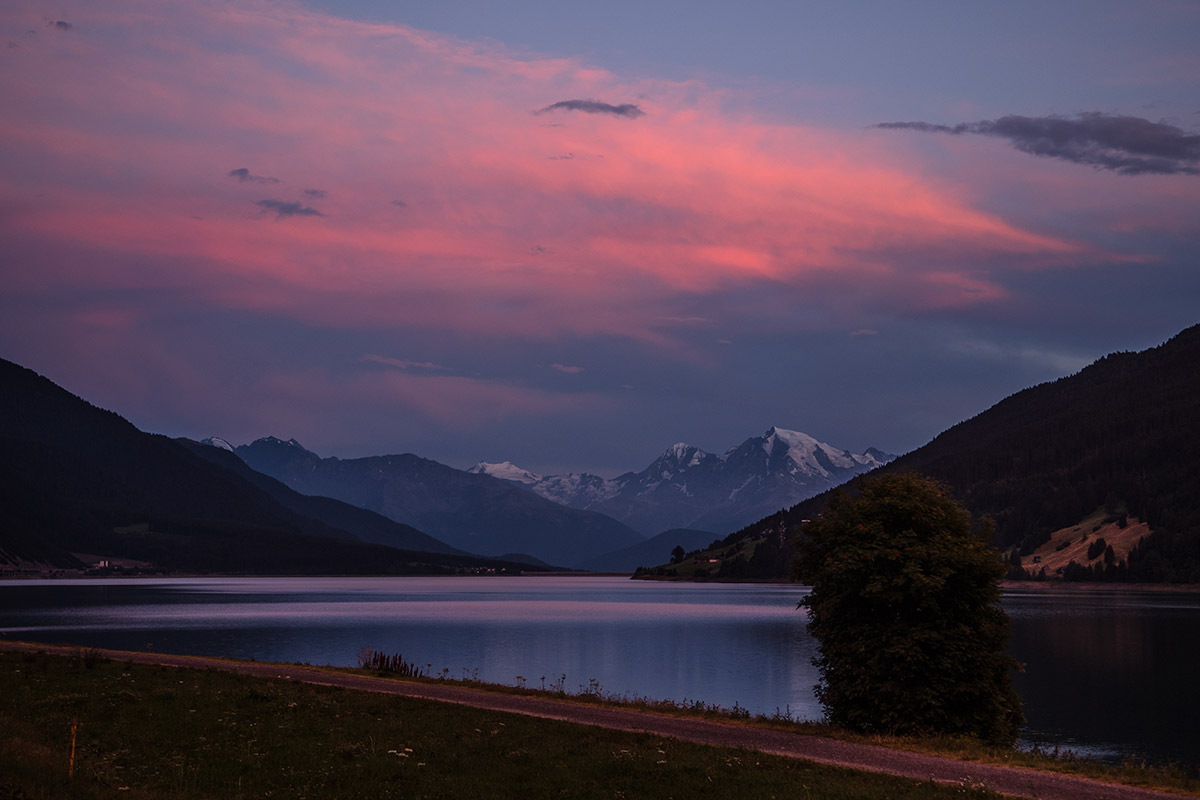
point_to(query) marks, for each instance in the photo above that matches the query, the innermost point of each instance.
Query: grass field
(147, 731)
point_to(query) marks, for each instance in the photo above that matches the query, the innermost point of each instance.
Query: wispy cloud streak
(1123, 144)
(400, 363)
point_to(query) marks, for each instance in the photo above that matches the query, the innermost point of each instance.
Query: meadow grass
(1132, 772)
(147, 732)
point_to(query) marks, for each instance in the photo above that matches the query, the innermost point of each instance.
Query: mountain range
(79, 485)
(476, 513)
(581, 521)
(1118, 439)
(687, 487)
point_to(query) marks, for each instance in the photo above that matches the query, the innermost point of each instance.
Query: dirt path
(1005, 780)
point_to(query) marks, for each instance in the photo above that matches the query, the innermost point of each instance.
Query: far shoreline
(1047, 585)
(1017, 587)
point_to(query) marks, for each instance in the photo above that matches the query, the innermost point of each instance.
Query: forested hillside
(75, 479)
(1123, 435)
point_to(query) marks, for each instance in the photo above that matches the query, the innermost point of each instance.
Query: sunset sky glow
(570, 235)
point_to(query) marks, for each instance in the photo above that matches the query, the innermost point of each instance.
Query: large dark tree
(905, 606)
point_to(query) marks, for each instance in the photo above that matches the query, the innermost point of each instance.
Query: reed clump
(388, 663)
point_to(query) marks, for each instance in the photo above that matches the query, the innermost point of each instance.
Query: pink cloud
(127, 130)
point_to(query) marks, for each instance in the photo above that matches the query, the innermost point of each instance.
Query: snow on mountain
(505, 471)
(687, 487)
(817, 458)
(679, 458)
(802, 451)
(268, 442)
(575, 491)
(578, 491)
(216, 441)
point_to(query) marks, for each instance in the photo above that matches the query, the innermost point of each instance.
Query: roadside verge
(1003, 779)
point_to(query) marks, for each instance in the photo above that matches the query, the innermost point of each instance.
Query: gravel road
(1014, 781)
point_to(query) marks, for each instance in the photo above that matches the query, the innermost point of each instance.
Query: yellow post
(71, 764)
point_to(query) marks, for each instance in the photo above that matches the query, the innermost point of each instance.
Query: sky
(569, 235)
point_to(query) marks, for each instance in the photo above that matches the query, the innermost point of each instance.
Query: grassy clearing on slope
(147, 731)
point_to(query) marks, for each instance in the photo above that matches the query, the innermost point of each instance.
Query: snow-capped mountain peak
(678, 450)
(506, 471)
(217, 441)
(681, 456)
(794, 442)
(816, 457)
(686, 487)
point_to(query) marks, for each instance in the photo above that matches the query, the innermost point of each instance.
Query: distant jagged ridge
(687, 487)
(359, 522)
(476, 513)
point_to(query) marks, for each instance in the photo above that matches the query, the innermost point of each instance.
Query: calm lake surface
(1108, 674)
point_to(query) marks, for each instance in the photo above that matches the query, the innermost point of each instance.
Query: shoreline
(1107, 586)
(1005, 585)
(1005, 773)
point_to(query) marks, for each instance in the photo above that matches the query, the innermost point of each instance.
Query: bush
(905, 606)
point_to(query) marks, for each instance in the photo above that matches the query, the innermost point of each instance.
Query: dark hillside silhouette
(77, 479)
(1123, 433)
(361, 523)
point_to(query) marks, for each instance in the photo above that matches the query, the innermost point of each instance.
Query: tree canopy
(905, 606)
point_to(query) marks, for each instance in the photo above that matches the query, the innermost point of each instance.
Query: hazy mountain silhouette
(77, 479)
(477, 513)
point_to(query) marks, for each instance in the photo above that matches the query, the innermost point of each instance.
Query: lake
(1109, 674)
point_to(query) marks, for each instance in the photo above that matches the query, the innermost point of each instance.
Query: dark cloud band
(284, 208)
(1126, 145)
(243, 175)
(627, 110)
